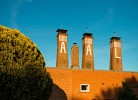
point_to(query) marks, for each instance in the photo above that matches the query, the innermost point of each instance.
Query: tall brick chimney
(62, 49)
(115, 54)
(75, 56)
(87, 54)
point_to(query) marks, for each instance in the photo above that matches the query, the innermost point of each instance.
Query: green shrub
(18, 50)
(23, 74)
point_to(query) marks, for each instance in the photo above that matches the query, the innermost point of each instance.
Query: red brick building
(74, 83)
(97, 84)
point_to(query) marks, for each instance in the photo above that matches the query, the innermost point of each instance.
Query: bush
(18, 50)
(26, 83)
(23, 74)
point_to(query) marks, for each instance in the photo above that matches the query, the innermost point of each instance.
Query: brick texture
(62, 79)
(115, 54)
(87, 54)
(103, 84)
(75, 56)
(62, 49)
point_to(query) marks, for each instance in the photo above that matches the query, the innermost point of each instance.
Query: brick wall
(62, 79)
(103, 84)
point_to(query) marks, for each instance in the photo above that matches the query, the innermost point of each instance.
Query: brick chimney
(115, 54)
(62, 49)
(75, 56)
(87, 54)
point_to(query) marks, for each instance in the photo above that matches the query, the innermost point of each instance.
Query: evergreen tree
(18, 50)
(23, 74)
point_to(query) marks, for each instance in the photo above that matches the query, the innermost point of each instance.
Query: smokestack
(115, 54)
(75, 56)
(62, 49)
(87, 54)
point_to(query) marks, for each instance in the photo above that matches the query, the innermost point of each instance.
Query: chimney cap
(61, 30)
(74, 43)
(87, 34)
(117, 38)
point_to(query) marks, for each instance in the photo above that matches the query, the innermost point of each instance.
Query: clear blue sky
(39, 20)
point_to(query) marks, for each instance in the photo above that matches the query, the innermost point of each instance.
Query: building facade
(82, 84)
(87, 83)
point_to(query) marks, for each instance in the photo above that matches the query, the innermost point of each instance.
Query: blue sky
(39, 20)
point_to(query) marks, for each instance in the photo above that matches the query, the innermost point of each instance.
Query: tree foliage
(18, 50)
(26, 83)
(23, 74)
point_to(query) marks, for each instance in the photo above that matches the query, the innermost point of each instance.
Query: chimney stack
(115, 54)
(62, 49)
(75, 56)
(87, 54)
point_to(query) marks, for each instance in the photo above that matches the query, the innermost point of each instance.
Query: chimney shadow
(58, 93)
